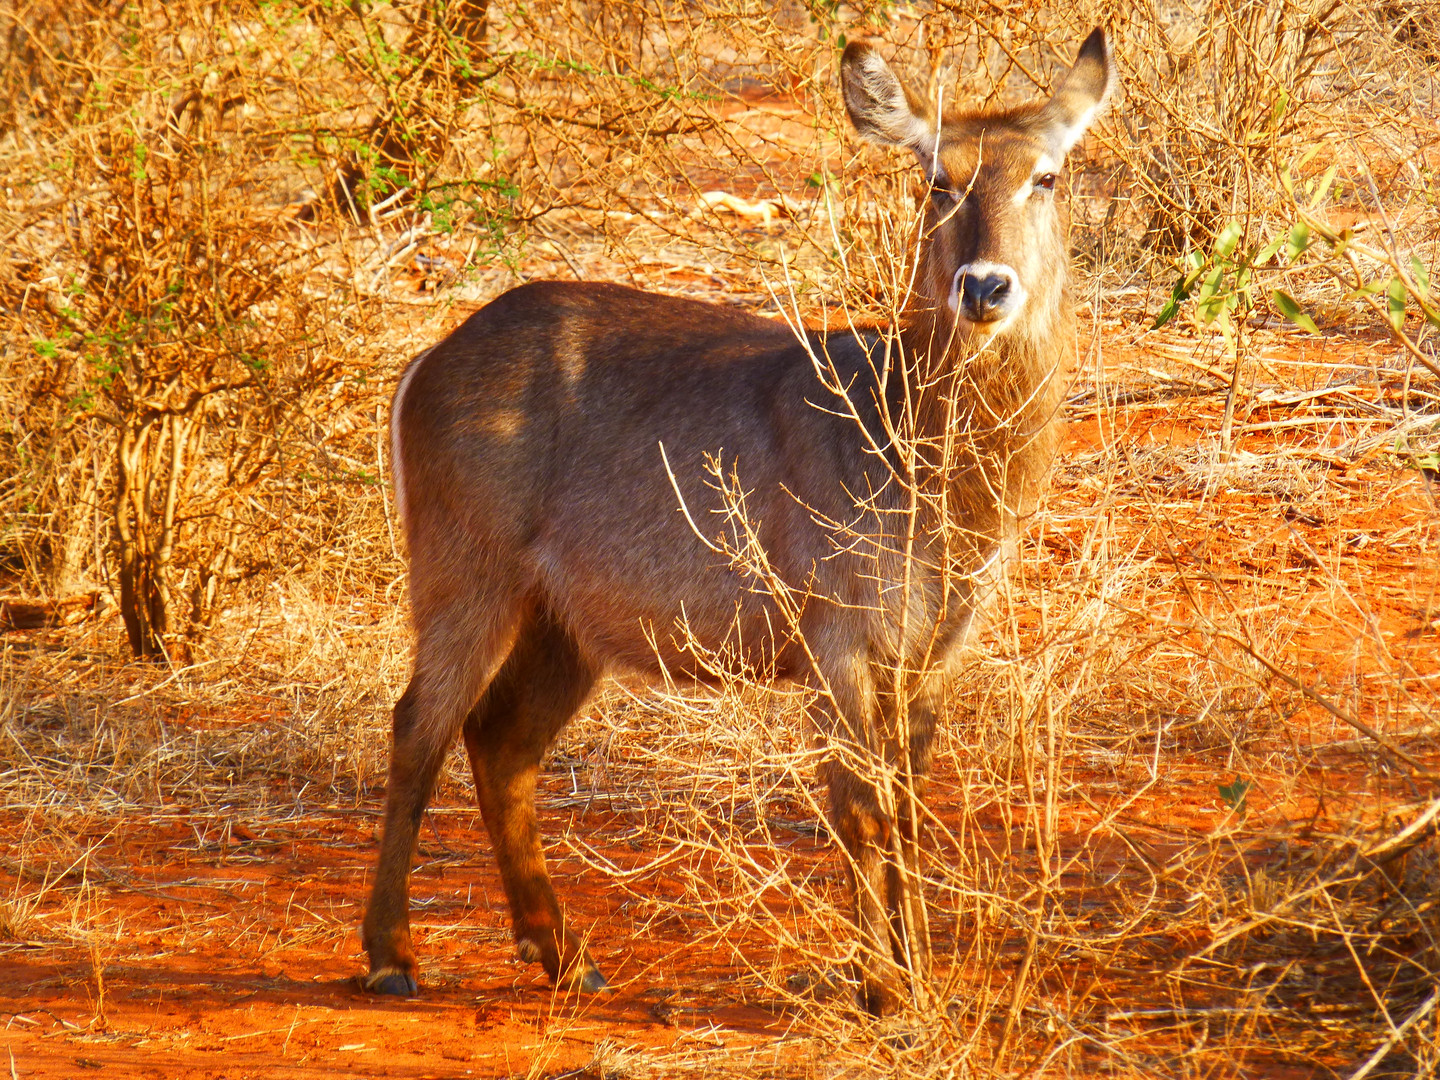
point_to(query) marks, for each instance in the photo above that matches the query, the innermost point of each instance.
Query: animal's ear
(883, 109)
(1080, 95)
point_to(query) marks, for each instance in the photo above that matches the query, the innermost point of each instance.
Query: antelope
(550, 459)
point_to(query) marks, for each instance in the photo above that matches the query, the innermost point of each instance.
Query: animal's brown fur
(546, 447)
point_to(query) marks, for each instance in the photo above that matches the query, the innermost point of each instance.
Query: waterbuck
(560, 467)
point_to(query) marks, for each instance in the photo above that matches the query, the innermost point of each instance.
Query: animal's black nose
(985, 298)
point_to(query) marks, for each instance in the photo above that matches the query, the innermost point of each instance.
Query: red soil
(238, 948)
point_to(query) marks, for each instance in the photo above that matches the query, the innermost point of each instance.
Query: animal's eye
(1046, 182)
(943, 197)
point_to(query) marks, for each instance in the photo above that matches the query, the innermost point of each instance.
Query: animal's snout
(984, 297)
(986, 292)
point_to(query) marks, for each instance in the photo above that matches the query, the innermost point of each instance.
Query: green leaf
(1395, 296)
(1299, 241)
(1179, 294)
(1266, 253)
(1228, 238)
(1234, 794)
(1370, 288)
(1293, 311)
(1188, 281)
(1308, 155)
(1166, 313)
(1211, 284)
(1277, 111)
(1323, 187)
(1211, 309)
(1422, 276)
(1222, 323)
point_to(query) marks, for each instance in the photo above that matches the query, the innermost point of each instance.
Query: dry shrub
(210, 211)
(164, 291)
(248, 140)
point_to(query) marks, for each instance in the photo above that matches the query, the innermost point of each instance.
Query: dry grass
(1205, 703)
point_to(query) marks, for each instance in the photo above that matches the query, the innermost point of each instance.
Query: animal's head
(995, 249)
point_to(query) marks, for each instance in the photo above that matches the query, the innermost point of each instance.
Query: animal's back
(533, 435)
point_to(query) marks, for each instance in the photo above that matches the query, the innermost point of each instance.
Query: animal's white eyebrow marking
(1043, 164)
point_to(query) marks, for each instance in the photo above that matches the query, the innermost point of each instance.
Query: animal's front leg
(913, 728)
(866, 832)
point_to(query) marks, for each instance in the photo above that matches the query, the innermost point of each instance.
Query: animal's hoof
(591, 981)
(391, 982)
(902, 1042)
(579, 975)
(817, 984)
(878, 999)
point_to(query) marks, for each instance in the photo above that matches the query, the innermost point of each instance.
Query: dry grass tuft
(1182, 821)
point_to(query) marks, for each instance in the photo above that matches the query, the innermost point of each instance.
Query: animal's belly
(701, 624)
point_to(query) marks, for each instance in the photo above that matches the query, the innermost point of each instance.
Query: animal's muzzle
(986, 292)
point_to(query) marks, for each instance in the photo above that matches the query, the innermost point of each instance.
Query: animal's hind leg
(457, 651)
(542, 684)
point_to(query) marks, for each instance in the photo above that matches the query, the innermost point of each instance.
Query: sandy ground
(237, 948)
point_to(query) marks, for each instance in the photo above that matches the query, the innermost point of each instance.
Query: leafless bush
(246, 140)
(170, 309)
(194, 420)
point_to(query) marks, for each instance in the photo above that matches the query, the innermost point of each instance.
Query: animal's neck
(989, 410)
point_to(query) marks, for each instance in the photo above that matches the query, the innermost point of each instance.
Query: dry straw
(1182, 821)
